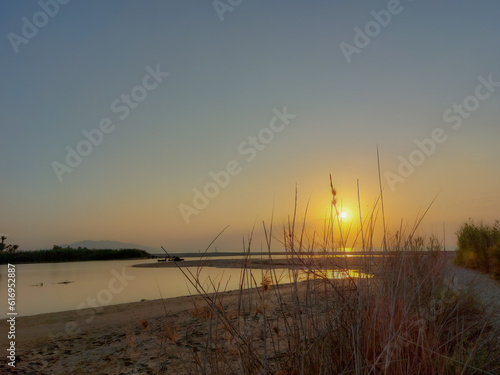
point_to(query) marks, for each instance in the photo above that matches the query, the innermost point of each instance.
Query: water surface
(51, 287)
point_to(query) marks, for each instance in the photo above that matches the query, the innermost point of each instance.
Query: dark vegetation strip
(58, 254)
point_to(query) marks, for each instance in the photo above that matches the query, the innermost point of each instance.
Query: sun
(340, 212)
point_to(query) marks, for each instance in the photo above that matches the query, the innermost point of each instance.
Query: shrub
(7, 248)
(479, 247)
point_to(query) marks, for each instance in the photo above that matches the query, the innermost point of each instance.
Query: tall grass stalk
(400, 316)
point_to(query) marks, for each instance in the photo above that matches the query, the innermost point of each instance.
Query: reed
(399, 315)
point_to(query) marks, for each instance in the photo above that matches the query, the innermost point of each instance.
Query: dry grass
(406, 319)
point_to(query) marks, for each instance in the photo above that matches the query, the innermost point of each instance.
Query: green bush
(479, 247)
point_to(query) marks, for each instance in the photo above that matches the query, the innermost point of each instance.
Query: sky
(163, 122)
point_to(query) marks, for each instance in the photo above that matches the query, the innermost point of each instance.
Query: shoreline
(106, 339)
(109, 339)
(282, 263)
(141, 336)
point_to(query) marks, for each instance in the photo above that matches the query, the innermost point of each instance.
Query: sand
(128, 338)
(263, 263)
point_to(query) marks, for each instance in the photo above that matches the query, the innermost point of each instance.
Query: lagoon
(51, 287)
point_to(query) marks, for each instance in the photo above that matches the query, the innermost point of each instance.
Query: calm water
(39, 289)
(50, 287)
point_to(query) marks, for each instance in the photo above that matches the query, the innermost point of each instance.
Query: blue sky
(225, 78)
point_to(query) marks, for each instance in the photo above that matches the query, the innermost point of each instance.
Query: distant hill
(106, 244)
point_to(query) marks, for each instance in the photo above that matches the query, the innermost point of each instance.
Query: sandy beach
(134, 338)
(304, 262)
